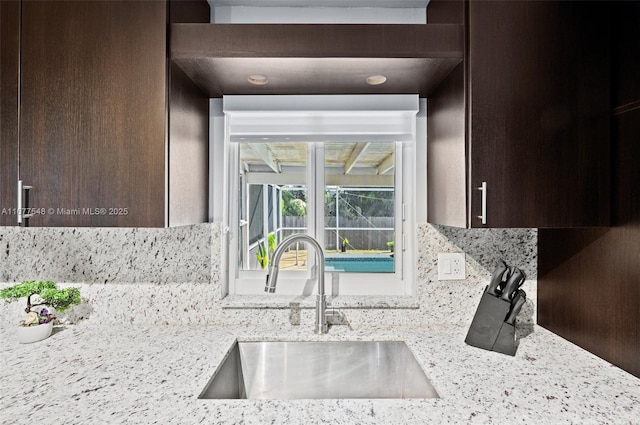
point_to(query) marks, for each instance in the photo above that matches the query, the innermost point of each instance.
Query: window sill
(309, 301)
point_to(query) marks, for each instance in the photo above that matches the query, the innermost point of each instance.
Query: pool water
(360, 263)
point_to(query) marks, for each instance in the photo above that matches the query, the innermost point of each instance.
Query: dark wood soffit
(316, 59)
(219, 76)
(445, 12)
(319, 41)
(192, 11)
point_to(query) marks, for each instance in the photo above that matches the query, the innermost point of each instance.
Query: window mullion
(318, 184)
(234, 214)
(315, 187)
(400, 212)
(265, 217)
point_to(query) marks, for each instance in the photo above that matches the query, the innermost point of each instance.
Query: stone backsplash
(107, 255)
(173, 276)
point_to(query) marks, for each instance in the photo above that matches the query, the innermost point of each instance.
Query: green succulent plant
(261, 256)
(271, 239)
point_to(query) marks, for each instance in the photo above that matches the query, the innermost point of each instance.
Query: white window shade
(331, 118)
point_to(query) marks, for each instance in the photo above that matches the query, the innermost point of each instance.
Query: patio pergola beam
(356, 153)
(266, 155)
(387, 164)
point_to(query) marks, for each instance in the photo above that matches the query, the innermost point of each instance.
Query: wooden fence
(370, 233)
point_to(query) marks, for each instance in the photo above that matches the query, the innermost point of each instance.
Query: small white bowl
(29, 334)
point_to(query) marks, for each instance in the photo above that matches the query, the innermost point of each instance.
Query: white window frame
(377, 117)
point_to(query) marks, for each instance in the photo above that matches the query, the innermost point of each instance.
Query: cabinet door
(539, 113)
(9, 74)
(93, 108)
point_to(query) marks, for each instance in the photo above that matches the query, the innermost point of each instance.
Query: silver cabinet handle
(19, 211)
(483, 217)
(22, 205)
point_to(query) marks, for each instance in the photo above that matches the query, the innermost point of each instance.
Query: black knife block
(489, 330)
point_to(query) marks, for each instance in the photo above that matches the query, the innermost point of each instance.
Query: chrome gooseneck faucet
(321, 299)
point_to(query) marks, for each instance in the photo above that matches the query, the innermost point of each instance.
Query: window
(342, 176)
(360, 206)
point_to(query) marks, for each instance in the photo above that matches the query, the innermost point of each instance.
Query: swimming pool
(380, 263)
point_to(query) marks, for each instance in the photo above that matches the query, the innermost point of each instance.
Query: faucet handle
(272, 277)
(266, 284)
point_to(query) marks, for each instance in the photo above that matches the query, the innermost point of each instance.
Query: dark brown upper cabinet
(9, 77)
(527, 113)
(109, 134)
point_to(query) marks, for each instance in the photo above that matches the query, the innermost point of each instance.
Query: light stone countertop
(96, 374)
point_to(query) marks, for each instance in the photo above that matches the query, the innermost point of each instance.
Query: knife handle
(505, 277)
(518, 301)
(496, 278)
(515, 281)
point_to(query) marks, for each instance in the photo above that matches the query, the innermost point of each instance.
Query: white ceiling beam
(266, 155)
(356, 153)
(387, 164)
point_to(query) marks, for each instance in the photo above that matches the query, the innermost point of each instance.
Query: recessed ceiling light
(375, 80)
(258, 80)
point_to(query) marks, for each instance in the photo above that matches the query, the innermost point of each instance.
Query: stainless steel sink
(315, 370)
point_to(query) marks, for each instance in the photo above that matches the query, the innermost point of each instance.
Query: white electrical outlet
(451, 266)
